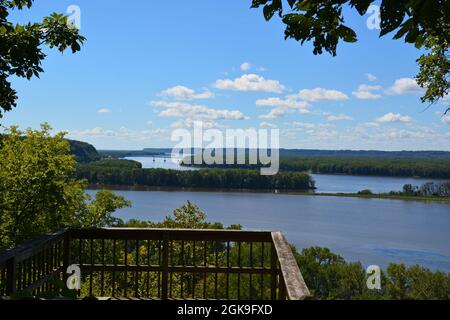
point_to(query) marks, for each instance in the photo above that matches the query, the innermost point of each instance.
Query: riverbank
(264, 191)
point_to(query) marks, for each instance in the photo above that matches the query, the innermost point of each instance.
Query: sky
(150, 67)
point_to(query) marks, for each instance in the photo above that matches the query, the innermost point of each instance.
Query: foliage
(117, 163)
(438, 169)
(21, 52)
(365, 192)
(83, 152)
(427, 189)
(329, 276)
(423, 23)
(207, 178)
(38, 189)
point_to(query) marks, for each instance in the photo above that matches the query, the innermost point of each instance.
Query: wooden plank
(175, 269)
(32, 247)
(294, 284)
(173, 234)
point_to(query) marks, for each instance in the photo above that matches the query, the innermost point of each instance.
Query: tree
(21, 46)
(424, 23)
(38, 189)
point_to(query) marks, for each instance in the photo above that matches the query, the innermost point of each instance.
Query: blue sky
(153, 66)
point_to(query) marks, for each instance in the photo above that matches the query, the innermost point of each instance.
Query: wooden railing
(158, 264)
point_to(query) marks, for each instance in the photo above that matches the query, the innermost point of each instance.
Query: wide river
(373, 231)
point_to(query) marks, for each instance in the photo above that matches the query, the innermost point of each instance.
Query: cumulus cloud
(245, 66)
(275, 113)
(404, 85)
(121, 133)
(189, 123)
(185, 93)
(285, 103)
(267, 125)
(365, 92)
(371, 77)
(197, 112)
(393, 117)
(319, 94)
(250, 82)
(104, 110)
(339, 117)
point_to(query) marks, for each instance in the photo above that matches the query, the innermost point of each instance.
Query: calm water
(324, 183)
(373, 231)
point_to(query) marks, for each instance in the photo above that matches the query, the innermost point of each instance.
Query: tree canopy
(423, 23)
(38, 189)
(21, 52)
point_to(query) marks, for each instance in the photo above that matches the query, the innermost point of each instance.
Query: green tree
(21, 52)
(38, 189)
(423, 23)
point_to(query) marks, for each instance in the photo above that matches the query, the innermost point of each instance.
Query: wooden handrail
(292, 278)
(286, 281)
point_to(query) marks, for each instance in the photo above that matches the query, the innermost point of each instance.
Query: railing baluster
(92, 263)
(136, 274)
(125, 293)
(149, 254)
(228, 271)
(113, 287)
(273, 266)
(239, 272)
(171, 273)
(262, 275)
(205, 262)
(165, 266)
(194, 263)
(102, 274)
(216, 274)
(182, 274)
(250, 291)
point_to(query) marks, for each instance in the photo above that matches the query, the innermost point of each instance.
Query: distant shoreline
(265, 191)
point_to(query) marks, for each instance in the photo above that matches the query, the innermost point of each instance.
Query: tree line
(116, 172)
(436, 169)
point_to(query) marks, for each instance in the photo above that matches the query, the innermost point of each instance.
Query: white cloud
(185, 93)
(250, 82)
(104, 110)
(197, 112)
(189, 123)
(245, 66)
(364, 92)
(121, 133)
(393, 117)
(319, 94)
(404, 85)
(277, 102)
(275, 113)
(267, 125)
(371, 77)
(339, 117)
(303, 125)
(282, 107)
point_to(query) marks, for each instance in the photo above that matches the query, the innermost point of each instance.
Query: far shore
(285, 192)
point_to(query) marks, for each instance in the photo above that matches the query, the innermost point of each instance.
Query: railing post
(66, 254)
(273, 266)
(11, 276)
(165, 267)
